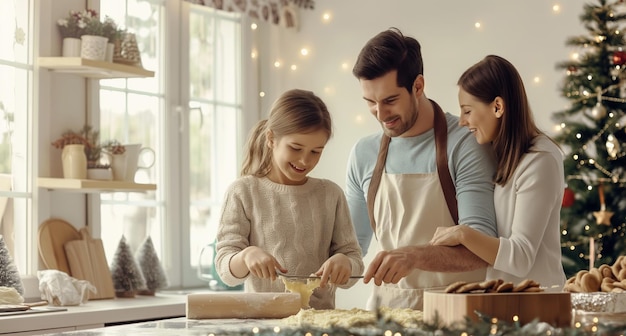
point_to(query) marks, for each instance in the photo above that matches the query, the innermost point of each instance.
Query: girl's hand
(335, 270)
(449, 236)
(260, 263)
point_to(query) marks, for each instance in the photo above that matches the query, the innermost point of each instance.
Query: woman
(529, 179)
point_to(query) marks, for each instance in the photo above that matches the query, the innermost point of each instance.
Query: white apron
(407, 210)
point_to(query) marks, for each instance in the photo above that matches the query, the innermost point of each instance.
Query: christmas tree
(9, 276)
(127, 277)
(592, 136)
(151, 268)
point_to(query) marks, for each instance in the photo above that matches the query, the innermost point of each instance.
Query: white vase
(109, 53)
(71, 47)
(74, 162)
(93, 47)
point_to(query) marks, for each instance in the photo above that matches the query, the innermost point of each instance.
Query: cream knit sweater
(301, 226)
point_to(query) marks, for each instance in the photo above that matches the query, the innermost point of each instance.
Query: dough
(9, 295)
(304, 288)
(352, 318)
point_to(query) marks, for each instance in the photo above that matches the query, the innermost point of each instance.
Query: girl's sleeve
(232, 235)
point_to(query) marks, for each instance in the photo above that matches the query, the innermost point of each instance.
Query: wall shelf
(92, 186)
(92, 69)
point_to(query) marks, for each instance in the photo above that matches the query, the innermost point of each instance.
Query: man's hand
(261, 263)
(391, 266)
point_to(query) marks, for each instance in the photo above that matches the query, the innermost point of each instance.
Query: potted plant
(72, 28)
(89, 139)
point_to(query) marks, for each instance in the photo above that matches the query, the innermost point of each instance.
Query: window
(16, 71)
(190, 114)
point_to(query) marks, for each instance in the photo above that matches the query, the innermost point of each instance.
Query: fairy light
(345, 66)
(277, 64)
(326, 17)
(537, 79)
(477, 25)
(261, 94)
(277, 329)
(304, 51)
(254, 54)
(294, 67)
(254, 26)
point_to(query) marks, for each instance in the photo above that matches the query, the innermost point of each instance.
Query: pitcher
(136, 157)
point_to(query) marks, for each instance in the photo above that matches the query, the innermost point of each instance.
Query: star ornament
(603, 217)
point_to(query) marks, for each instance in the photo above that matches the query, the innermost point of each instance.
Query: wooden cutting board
(554, 308)
(242, 305)
(52, 236)
(87, 261)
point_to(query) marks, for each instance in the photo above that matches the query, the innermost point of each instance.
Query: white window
(16, 72)
(190, 115)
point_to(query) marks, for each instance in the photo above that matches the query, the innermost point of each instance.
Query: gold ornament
(603, 217)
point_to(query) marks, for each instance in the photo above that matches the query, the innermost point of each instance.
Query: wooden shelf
(93, 69)
(92, 186)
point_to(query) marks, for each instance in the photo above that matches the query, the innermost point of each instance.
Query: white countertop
(97, 313)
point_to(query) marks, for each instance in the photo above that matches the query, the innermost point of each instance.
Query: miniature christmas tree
(127, 277)
(592, 137)
(9, 276)
(151, 267)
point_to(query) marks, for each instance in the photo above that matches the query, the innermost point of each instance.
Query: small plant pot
(104, 174)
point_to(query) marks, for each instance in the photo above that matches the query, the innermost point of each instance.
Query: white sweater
(300, 225)
(528, 216)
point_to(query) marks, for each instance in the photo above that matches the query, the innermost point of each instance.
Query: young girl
(529, 179)
(276, 218)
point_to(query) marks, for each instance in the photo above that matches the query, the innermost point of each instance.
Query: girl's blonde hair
(295, 111)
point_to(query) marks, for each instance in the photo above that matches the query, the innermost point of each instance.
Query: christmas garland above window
(279, 12)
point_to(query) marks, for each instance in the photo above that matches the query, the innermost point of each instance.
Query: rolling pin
(242, 305)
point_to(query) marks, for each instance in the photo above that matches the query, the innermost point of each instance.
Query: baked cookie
(454, 286)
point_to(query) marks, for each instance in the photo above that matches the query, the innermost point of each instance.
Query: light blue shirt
(471, 165)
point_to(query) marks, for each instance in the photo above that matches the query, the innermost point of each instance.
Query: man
(407, 197)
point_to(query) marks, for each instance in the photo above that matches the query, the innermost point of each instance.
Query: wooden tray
(53, 234)
(554, 308)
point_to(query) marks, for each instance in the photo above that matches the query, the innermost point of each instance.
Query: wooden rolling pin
(242, 305)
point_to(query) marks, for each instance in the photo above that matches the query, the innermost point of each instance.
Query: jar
(74, 162)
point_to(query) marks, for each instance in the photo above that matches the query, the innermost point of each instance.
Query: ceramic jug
(135, 157)
(74, 161)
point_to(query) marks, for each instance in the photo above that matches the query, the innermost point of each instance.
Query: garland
(484, 326)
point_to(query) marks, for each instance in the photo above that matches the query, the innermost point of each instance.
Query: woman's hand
(449, 236)
(336, 270)
(260, 263)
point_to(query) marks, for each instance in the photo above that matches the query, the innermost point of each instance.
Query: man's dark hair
(388, 51)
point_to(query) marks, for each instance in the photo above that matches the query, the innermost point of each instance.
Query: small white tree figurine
(127, 277)
(151, 267)
(9, 275)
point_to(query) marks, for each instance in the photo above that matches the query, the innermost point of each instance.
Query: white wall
(528, 33)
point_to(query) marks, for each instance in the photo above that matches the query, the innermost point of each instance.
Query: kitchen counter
(96, 314)
(181, 327)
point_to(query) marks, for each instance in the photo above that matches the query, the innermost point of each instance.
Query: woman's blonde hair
(295, 111)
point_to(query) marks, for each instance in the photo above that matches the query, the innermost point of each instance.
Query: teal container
(208, 272)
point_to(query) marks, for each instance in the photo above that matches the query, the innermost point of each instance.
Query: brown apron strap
(441, 140)
(441, 137)
(376, 176)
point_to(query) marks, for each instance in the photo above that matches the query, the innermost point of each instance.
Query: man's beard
(404, 125)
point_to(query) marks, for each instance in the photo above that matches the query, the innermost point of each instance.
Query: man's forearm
(446, 259)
